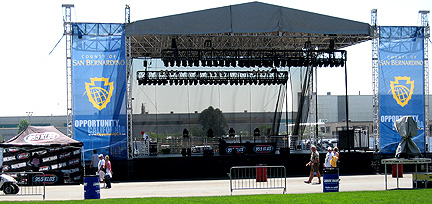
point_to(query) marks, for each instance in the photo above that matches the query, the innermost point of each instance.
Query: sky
(34, 80)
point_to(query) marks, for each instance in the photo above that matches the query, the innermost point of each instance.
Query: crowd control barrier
(257, 177)
(24, 183)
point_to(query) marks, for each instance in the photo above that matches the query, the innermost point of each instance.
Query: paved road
(295, 185)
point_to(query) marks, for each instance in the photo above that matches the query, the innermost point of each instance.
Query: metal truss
(253, 58)
(129, 90)
(312, 108)
(425, 24)
(67, 24)
(174, 77)
(98, 29)
(153, 45)
(375, 75)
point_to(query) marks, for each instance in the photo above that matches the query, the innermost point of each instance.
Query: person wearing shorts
(314, 166)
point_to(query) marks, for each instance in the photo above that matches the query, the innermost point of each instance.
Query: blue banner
(401, 83)
(99, 88)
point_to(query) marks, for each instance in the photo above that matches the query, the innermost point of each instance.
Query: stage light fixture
(208, 43)
(203, 63)
(240, 63)
(174, 43)
(256, 132)
(185, 133)
(283, 63)
(233, 63)
(332, 63)
(231, 132)
(342, 63)
(277, 63)
(289, 63)
(227, 63)
(332, 44)
(209, 63)
(326, 63)
(196, 63)
(178, 63)
(190, 63)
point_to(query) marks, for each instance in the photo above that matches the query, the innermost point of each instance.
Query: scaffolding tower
(375, 76)
(67, 24)
(425, 24)
(129, 87)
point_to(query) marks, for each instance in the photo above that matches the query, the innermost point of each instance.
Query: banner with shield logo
(99, 88)
(401, 83)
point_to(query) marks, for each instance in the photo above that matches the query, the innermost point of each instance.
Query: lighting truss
(175, 77)
(152, 45)
(253, 58)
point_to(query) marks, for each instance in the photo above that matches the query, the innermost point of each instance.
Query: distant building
(331, 113)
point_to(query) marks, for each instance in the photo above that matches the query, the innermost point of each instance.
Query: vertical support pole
(346, 103)
(129, 86)
(375, 76)
(316, 102)
(129, 97)
(311, 115)
(67, 24)
(425, 24)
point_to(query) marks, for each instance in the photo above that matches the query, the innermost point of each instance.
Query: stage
(177, 167)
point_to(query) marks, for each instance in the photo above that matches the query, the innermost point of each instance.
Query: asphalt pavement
(295, 185)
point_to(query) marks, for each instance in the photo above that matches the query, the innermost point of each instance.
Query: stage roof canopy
(253, 25)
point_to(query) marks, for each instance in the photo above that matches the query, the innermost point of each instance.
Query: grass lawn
(391, 196)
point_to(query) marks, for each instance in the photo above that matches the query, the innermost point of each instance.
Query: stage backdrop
(401, 83)
(99, 88)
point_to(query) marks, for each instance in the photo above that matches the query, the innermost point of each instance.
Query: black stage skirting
(173, 167)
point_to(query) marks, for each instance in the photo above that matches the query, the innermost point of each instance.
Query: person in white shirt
(101, 167)
(328, 158)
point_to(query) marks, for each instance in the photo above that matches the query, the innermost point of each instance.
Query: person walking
(335, 159)
(108, 170)
(314, 164)
(94, 162)
(101, 168)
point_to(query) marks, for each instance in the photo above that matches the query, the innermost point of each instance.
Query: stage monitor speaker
(208, 153)
(346, 139)
(188, 152)
(284, 151)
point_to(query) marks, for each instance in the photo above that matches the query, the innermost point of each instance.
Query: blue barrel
(91, 187)
(331, 180)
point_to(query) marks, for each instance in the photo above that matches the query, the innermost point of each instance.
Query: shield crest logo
(99, 92)
(402, 92)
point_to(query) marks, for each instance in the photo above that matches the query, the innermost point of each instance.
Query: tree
(211, 118)
(265, 130)
(196, 132)
(23, 125)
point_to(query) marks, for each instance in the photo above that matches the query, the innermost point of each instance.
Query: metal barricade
(257, 177)
(23, 183)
